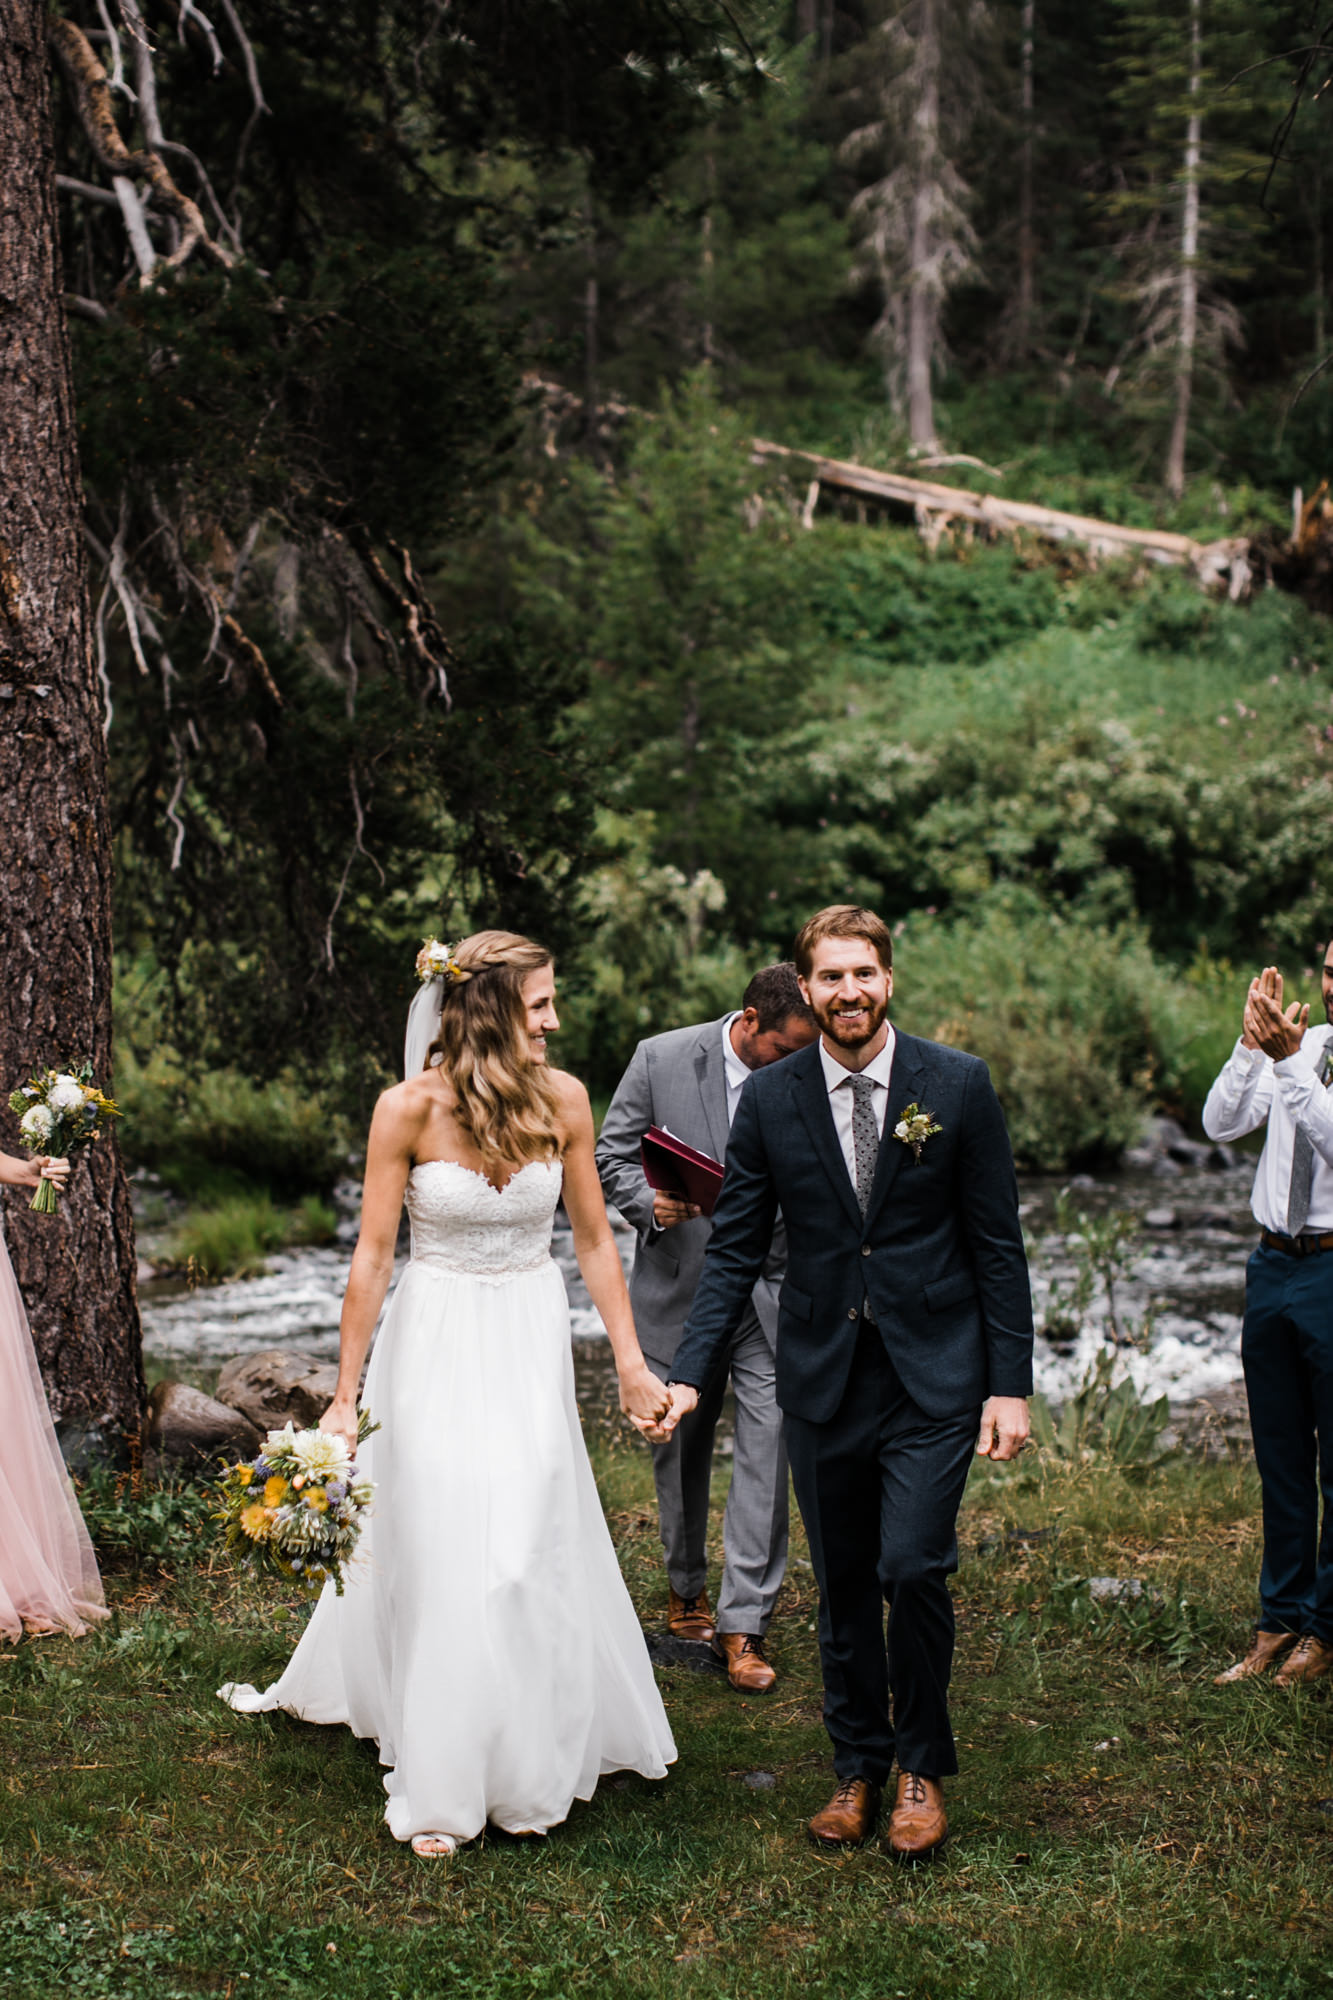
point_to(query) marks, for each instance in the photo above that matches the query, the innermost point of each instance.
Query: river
(1187, 1269)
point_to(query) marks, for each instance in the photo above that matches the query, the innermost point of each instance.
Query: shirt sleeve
(1239, 1100)
(1306, 1100)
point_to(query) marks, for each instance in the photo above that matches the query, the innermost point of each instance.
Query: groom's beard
(850, 1028)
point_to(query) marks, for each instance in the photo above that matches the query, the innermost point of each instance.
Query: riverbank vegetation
(1120, 1826)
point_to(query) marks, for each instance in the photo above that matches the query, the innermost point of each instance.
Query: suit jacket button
(865, 1249)
(852, 1313)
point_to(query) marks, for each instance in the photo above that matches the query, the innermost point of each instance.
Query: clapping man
(904, 1344)
(690, 1080)
(1278, 1075)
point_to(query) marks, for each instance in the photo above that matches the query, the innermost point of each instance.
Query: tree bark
(76, 1268)
(1189, 269)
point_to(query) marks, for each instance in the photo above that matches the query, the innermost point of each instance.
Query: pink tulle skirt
(48, 1572)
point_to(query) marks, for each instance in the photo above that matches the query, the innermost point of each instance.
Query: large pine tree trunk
(1187, 337)
(77, 1268)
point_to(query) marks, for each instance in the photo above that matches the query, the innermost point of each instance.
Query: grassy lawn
(1121, 1826)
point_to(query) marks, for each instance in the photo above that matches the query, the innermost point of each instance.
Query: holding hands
(1266, 1025)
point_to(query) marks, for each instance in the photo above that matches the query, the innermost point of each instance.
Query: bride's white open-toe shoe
(434, 1846)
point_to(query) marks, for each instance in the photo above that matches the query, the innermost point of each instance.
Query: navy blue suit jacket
(939, 1252)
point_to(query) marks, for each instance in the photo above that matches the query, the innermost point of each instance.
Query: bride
(485, 1638)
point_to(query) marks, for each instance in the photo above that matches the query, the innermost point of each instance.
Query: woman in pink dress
(48, 1572)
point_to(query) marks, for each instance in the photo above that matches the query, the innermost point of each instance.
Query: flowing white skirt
(485, 1639)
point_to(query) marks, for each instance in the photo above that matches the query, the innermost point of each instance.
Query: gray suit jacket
(677, 1080)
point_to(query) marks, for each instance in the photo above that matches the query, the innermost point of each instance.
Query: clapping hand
(1266, 1025)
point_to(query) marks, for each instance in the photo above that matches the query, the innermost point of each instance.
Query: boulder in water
(278, 1385)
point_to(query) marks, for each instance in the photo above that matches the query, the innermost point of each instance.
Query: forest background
(481, 330)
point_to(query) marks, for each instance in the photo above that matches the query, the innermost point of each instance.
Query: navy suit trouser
(879, 1487)
(1287, 1351)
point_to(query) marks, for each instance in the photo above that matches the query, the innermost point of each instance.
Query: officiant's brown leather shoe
(917, 1825)
(1264, 1650)
(747, 1669)
(849, 1817)
(1308, 1659)
(690, 1618)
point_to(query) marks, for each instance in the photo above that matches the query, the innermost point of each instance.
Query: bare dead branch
(358, 847)
(82, 308)
(259, 109)
(86, 191)
(189, 12)
(425, 635)
(92, 96)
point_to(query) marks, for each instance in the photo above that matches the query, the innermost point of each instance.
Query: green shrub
(1079, 1024)
(219, 1131)
(233, 1240)
(135, 1523)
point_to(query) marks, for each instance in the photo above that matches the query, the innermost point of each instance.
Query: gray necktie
(865, 1138)
(1302, 1160)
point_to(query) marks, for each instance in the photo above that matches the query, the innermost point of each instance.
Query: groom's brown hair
(842, 920)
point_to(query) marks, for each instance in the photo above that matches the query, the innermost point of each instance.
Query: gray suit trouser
(754, 1528)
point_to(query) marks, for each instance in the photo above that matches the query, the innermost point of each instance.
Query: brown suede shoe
(849, 1817)
(690, 1618)
(1263, 1651)
(917, 1824)
(747, 1669)
(1308, 1659)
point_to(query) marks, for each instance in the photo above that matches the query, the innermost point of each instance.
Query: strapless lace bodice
(461, 1223)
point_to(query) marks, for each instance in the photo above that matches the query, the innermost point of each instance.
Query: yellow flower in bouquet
(256, 1521)
(275, 1490)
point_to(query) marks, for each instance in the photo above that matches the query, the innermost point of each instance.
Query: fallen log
(1219, 566)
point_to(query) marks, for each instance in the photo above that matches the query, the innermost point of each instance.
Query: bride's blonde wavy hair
(504, 1101)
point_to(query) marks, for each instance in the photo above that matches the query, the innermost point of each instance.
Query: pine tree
(919, 84)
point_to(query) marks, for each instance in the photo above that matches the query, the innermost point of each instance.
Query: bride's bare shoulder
(572, 1105)
(404, 1107)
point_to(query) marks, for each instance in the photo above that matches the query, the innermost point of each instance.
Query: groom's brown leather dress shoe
(1264, 1650)
(1308, 1659)
(747, 1669)
(849, 1817)
(917, 1825)
(690, 1618)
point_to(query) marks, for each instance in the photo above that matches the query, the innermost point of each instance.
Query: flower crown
(437, 961)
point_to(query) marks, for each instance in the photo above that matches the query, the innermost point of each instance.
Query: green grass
(1121, 1827)
(236, 1238)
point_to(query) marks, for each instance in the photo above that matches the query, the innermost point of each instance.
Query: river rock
(186, 1427)
(1161, 1218)
(278, 1385)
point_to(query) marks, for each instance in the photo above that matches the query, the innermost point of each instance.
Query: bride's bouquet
(297, 1510)
(58, 1111)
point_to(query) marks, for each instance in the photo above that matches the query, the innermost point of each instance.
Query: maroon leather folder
(675, 1168)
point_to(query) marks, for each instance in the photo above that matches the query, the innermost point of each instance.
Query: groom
(904, 1343)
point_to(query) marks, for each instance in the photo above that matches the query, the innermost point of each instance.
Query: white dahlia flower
(65, 1094)
(37, 1125)
(320, 1455)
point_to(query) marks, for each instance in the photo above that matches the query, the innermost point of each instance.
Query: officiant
(689, 1081)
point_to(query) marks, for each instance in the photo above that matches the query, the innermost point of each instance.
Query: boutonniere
(915, 1127)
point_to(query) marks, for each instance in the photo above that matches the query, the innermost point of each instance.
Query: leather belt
(1297, 1246)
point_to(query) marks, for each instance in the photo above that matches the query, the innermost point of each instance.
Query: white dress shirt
(839, 1082)
(1253, 1088)
(735, 1068)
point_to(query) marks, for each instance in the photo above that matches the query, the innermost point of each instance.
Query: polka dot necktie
(1302, 1161)
(865, 1138)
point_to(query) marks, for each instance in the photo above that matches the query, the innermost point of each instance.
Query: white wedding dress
(485, 1639)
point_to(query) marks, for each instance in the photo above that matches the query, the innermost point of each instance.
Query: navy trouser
(1287, 1350)
(879, 1486)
